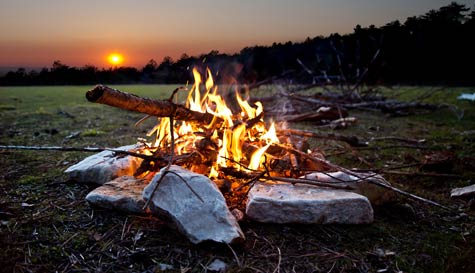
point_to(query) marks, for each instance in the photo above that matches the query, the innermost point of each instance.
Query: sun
(115, 58)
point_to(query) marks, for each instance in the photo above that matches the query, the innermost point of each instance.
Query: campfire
(214, 137)
(233, 140)
(214, 156)
(213, 161)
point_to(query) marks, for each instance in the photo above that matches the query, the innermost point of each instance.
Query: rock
(123, 193)
(465, 192)
(238, 214)
(164, 267)
(217, 266)
(286, 203)
(375, 194)
(104, 166)
(200, 221)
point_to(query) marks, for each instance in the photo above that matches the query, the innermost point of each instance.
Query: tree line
(434, 48)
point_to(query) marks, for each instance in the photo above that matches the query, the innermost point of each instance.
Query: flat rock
(287, 203)
(123, 193)
(104, 166)
(375, 194)
(465, 192)
(207, 220)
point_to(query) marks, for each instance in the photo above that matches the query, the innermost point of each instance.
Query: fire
(225, 136)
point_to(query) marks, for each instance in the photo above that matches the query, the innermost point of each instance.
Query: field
(46, 225)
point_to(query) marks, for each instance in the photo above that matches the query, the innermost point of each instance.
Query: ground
(47, 226)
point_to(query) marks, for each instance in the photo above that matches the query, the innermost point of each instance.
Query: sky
(34, 33)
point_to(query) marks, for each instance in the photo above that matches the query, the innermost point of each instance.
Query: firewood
(159, 108)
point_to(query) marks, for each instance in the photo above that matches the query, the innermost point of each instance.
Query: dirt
(46, 225)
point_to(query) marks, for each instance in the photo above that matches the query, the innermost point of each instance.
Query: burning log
(160, 108)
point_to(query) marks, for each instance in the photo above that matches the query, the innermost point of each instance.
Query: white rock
(466, 96)
(200, 221)
(164, 267)
(123, 193)
(465, 192)
(217, 266)
(104, 166)
(286, 203)
(375, 194)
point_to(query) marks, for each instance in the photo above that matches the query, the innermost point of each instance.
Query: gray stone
(123, 193)
(375, 194)
(200, 221)
(104, 166)
(287, 203)
(217, 266)
(238, 214)
(465, 192)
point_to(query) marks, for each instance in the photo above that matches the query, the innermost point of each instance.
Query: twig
(96, 150)
(351, 140)
(188, 185)
(396, 147)
(69, 239)
(401, 139)
(444, 175)
(142, 120)
(277, 268)
(235, 255)
(372, 181)
(123, 229)
(308, 182)
(75, 149)
(360, 80)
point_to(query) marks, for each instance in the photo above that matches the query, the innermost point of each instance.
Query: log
(159, 108)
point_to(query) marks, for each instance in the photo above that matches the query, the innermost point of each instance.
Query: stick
(306, 181)
(401, 139)
(374, 181)
(352, 140)
(443, 175)
(160, 108)
(93, 150)
(74, 149)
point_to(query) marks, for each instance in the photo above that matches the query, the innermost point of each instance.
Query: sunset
(237, 136)
(115, 58)
(35, 33)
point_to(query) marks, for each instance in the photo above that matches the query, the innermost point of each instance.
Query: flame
(271, 135)
(228, 135)
(257, 158)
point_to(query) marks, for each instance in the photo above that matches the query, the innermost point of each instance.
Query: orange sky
(34, 33)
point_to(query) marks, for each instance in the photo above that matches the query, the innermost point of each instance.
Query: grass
(46, 226)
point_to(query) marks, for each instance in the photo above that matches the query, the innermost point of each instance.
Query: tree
(150, 67)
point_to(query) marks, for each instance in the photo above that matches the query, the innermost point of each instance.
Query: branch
(160, 108)
(95, 150)
(370, 179)
(73, 149)
(352, 140)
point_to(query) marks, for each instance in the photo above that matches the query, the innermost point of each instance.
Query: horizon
(85, 33)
